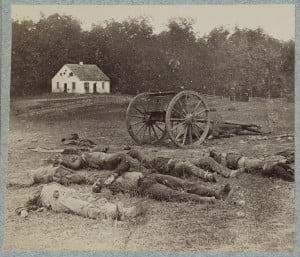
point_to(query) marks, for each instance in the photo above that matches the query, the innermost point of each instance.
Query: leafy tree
(138, 60)
(23, 77)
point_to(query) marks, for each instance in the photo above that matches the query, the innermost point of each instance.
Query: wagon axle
(189, 119)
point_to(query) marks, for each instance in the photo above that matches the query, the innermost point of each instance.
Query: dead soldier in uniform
(280, 165)
(132, 172)
(205, 168)
(58, 198)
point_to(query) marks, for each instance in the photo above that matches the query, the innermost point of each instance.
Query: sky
(276, 20)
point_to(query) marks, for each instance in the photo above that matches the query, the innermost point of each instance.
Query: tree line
(136, 59)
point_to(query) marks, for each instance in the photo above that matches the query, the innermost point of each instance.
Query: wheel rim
(140, 123)
(187, 119)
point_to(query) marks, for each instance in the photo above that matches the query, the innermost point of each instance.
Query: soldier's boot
(223, 192)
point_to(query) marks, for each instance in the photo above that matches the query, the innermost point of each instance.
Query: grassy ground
(266, 222)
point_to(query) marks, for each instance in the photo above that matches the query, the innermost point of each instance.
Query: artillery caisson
(183, 117)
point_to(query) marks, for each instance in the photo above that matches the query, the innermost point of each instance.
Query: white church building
(81, 79)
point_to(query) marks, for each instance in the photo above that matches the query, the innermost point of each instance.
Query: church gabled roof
(88, 72)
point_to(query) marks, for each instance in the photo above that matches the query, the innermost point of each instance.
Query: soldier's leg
(170, 181)
(209, 163)
(91, 210)
(44, 174)
(284, 171)
(219, 192)
(159, 164)
(63, 199)
(182, 168)
(160, 192)
(65, 176)
(250, 164)
(202, 190)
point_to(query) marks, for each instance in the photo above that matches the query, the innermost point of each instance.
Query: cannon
(183, 117)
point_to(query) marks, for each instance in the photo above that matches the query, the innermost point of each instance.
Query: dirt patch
(265, 222)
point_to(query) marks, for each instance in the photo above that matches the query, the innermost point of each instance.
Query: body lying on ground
(158, 186)
(226, 164)
(204, 168)
(59, 198)
(283, 165)
(162, 187)
(228, 129)
(126, 178)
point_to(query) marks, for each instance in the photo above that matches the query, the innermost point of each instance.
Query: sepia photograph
(158, 128)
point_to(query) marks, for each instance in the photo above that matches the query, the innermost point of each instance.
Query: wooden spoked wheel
(144, 126)
(187, 119)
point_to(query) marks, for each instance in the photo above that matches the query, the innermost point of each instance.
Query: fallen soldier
(58, 198)
(161, 187)
(204, 168)
(201, 167)
(48, 174)
(220, 129)
(60, 174)
(157, 186)
(282, 167)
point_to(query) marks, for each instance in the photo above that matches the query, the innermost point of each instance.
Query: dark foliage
(138, 60)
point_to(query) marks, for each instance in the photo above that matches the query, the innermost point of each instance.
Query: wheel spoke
(198, 113)
(140, 129)
(149, 131)
(197, 106)
(145, 132)
(136, 123)
(158, 127)
(184, 136)
(147, 99)
(136, 116)
(177, 119)
(190, 134)
(186, 101)
(179, 113)
(176, 126)
(155, 134)
(141, 112)
(179, 135)
(195, 131)
(182, 105)
(199, 126)
(200, 120)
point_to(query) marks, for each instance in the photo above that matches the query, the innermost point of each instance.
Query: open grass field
(268, 220)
